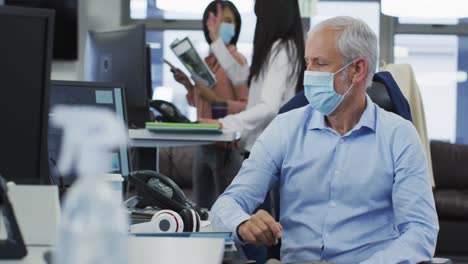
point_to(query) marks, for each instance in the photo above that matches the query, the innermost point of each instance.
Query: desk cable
(60, 183)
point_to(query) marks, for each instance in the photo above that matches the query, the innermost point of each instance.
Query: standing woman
(215, 166)
(276, 71)
(276, 74)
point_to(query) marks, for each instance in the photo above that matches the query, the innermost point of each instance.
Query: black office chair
(386, 94)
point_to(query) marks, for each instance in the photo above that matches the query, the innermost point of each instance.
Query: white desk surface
(149, 250)
(144, 138)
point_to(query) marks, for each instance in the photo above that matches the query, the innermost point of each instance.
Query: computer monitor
(66, 24)
(25, 60)
(106, 95)
(149, 80)
(120, 56)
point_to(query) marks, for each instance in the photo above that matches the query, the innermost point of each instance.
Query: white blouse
(273, 87)
(237, 73)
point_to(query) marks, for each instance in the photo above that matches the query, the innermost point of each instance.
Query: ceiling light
(198, 6)
(425, 8)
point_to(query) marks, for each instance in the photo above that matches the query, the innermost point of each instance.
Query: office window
(440, 66)
(439, 21)
(178, 9)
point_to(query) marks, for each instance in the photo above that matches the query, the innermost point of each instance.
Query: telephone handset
(160, 191)
(169, 112)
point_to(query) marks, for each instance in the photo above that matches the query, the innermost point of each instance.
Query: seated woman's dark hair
(213, 8)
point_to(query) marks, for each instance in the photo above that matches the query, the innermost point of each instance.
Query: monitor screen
(25, 60)
(105, 95)
(66, 24)
(120, 56)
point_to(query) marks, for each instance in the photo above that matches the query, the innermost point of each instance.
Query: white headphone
(168, 221)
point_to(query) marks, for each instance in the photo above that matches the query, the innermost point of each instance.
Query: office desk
(142, 138)
(144, 250)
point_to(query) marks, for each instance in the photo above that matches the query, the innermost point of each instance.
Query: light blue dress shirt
(364, 197)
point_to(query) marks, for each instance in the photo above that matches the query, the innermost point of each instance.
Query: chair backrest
(384, 92)
(378, 93)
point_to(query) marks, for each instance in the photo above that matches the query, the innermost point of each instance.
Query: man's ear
(360, 70)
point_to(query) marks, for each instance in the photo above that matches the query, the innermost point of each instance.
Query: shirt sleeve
(237, 72)
(273, 84)
(191, 97)
(248, 190)
(413, 203)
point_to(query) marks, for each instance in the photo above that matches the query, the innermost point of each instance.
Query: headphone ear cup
(187, 218)
(191, 220)
(198, 221)
(168, 221)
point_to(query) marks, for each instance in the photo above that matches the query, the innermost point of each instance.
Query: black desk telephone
(169, 112)
(158, 190)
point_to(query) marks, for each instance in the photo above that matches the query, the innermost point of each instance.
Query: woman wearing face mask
(276, 72)
(224, 90)
(215, 166)
(218, 31)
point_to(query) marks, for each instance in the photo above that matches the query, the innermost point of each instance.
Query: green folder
(163, 127)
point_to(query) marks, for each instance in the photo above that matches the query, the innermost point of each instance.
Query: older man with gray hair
(353, 178)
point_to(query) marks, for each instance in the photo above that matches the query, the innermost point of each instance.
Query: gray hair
(355, 39)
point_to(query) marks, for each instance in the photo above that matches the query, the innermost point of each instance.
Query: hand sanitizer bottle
(94, 225)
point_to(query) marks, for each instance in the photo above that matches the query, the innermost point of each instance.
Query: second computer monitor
(105, 95)
(120, 56)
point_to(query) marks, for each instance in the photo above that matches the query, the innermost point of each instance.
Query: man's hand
(214, 22)
(260, 229)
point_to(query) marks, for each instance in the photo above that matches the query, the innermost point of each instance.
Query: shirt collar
(367, 119)
(317, 121)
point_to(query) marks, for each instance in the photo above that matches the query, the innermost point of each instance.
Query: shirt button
(333, 204)
(327, 234)
(337, 172)
(342, 140)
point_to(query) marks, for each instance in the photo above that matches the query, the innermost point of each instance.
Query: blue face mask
(319, 91)
(226, 32)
